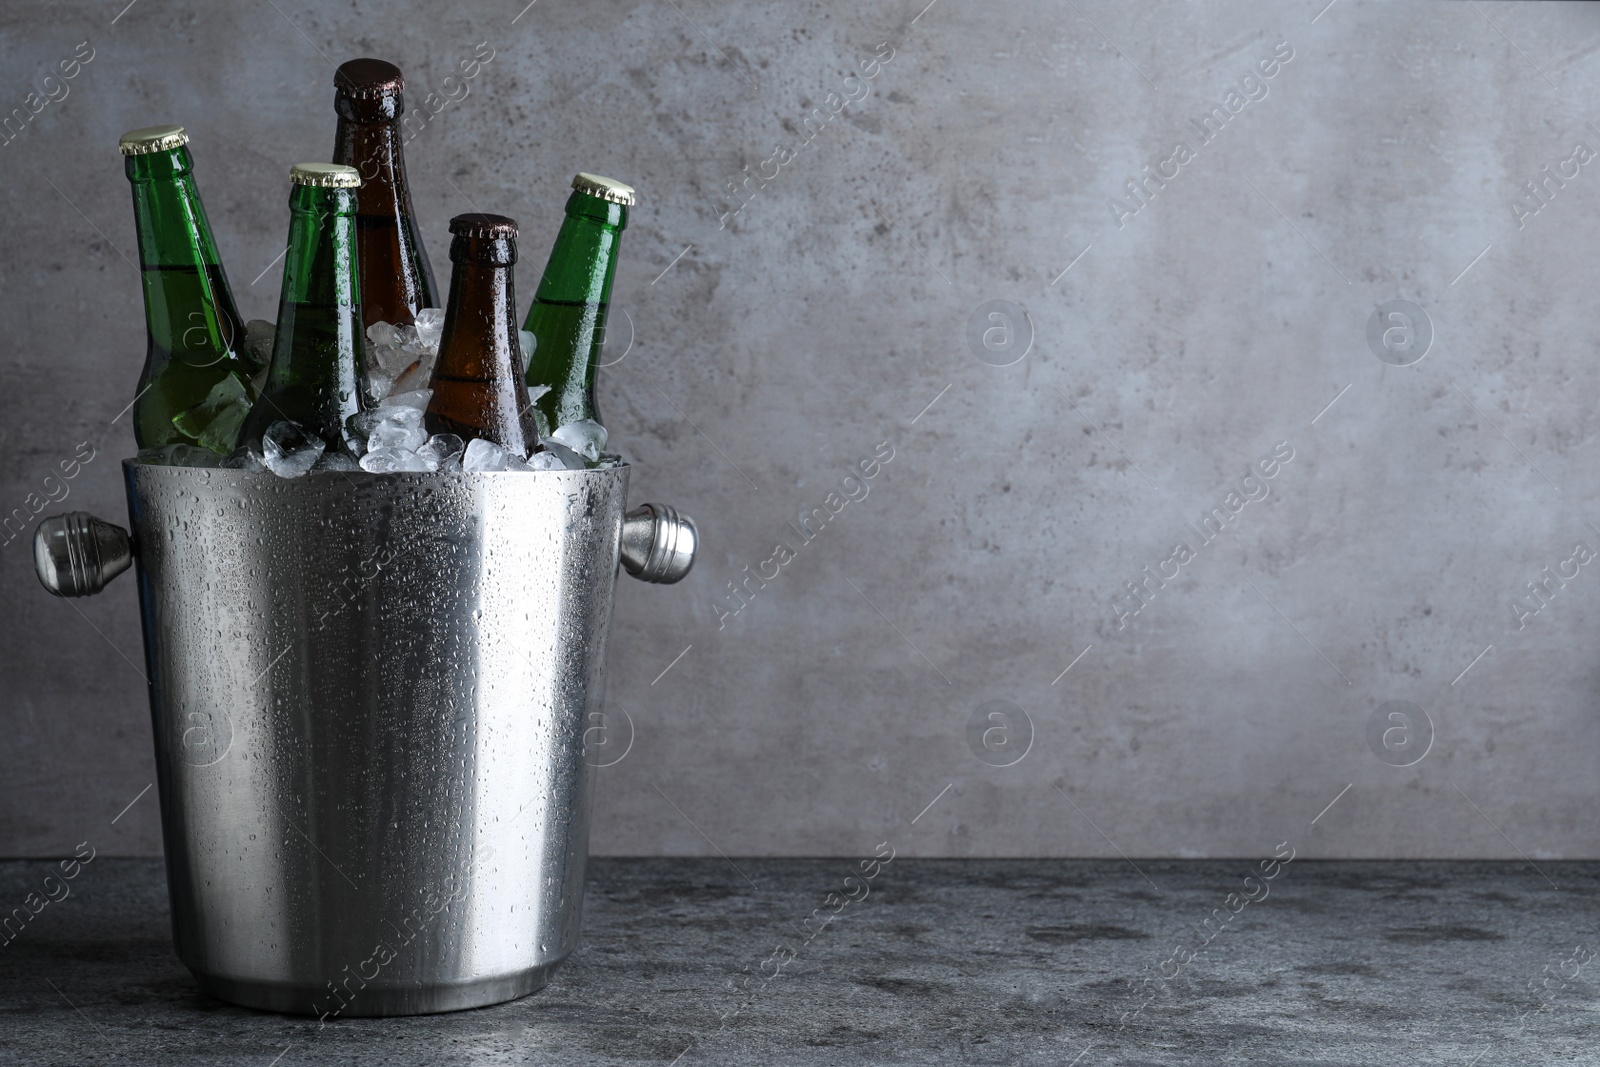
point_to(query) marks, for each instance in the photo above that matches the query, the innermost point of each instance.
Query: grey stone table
(941, 962)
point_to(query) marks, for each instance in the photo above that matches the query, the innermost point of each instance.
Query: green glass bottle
(568, 316)
(195, 387)
(318, 368)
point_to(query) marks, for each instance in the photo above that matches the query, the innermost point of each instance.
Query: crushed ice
(388, 435)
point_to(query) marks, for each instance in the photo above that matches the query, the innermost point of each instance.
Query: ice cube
(569, 459)
(359, 426)
(390, 347)
(179, 455)
(394, 434)
(363, 422)
(288, 450)
(526, 343)
(256, 346)
(610, 459)
(442, 449)
(336, 461)
(430, 325)
(391, 352)
(545, 461)
(483, 455)
(382, 335)
(400, 358)
(584, 436)
(418, 375)
(405, 414)
(398, 428)
(386, 460)
(378, 387)
(414, 398)
(515, 462)
(245, 459)
(536, 391)
(215, 421)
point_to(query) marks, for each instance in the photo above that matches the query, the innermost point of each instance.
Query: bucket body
(369, 697)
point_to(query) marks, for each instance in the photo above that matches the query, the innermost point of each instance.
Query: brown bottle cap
(368, 79)
(325, 175)
(608, 189)
(152, 139)
(481, 225)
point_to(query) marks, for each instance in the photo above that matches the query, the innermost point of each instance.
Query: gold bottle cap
(606, 189)
(325, 175)
(152, 139)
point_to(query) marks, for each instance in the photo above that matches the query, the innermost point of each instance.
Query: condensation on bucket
(369, 694)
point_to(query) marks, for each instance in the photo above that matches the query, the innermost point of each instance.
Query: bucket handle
(77, 554)
(658, 543)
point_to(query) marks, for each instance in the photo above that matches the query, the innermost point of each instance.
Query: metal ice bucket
(370, 696)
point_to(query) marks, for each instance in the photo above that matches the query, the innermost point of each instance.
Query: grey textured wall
(1176, 340)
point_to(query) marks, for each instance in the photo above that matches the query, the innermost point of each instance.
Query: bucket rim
(133, 464)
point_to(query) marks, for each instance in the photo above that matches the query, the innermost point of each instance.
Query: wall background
(832, 314)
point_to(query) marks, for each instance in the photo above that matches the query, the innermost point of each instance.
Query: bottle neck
(583, 260)
(400, 279)
(568, 316)
(320, 267)
(479, 339)
(373, 148)
(477, 382)
(171, 223)
(318, 355)
(189, 308)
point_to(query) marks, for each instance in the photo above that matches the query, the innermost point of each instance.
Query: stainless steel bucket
(370, 696)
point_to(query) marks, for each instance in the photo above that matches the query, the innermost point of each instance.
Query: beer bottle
(568, 316)
(318, 368)
(195, 387)
(396, 279)
(477, 380)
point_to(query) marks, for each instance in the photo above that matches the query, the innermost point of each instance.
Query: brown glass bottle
(477, 383)
(396, 279)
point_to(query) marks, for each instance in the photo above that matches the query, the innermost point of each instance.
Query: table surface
(943, 962)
